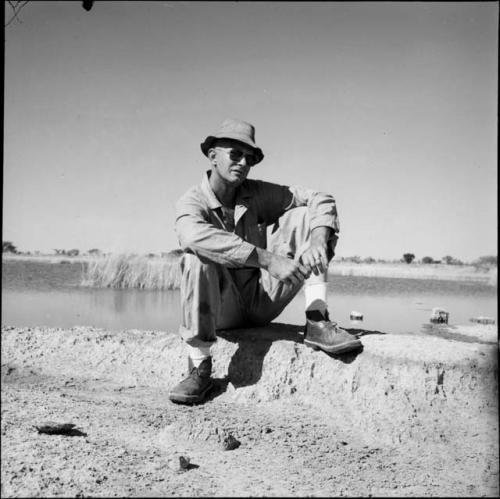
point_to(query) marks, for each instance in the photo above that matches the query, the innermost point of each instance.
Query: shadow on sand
(245, 367)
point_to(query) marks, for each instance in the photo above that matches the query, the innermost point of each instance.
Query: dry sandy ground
(406, 416)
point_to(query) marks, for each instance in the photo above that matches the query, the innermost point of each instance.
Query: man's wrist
(260, 258)
(321, 234)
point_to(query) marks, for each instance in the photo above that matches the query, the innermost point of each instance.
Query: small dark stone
(54, 428)
(68, 429)
(230, 443)
(184, 463)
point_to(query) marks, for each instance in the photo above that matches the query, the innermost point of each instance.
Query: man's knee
(290, 233)
(193, 264)
(297, 219)
(294, 230)
(205, 276)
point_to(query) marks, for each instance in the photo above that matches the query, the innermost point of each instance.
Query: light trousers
(217, 297)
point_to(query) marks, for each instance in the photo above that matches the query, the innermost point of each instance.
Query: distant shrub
(428, 259)
(487, 261)
(450, 260)
(8, 247)
(71, 252)
(369, 259)
(353, 259)
(408, 257)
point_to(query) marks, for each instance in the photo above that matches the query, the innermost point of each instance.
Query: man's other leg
(291, 239)
(209, 300)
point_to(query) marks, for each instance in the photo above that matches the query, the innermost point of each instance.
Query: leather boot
(321, 333)
(194, 388)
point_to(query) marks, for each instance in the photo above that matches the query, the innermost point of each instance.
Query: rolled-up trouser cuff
(193, 339)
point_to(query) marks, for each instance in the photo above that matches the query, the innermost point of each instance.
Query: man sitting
(232, 273)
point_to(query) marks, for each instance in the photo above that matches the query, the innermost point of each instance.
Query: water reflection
(108, 308)
(35, 294)
(395, 314)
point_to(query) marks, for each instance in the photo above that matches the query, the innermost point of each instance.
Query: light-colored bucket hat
(237, 130)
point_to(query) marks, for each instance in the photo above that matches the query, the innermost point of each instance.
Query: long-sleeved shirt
(201, 229)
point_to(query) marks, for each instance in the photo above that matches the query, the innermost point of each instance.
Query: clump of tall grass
(133, 271)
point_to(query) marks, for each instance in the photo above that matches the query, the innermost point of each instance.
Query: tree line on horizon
(409, 258)
(10, 247)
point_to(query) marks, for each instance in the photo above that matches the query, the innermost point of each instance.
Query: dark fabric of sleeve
(273, 200)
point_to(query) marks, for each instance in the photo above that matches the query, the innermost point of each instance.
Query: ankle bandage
(315, 294)
(198, 355)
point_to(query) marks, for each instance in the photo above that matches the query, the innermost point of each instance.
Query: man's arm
(276, 199)
(317, 256)
(283, 268)
(273, 200)
(324, 227)
(210, 243)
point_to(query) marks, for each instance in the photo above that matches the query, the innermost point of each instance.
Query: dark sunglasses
(236, 155)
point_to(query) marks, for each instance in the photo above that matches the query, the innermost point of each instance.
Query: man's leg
(291, 239)
(269, 296)
(209, 300)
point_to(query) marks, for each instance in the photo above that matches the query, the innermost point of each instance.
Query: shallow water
(43, 294)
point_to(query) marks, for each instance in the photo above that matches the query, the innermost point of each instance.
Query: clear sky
(391, 107)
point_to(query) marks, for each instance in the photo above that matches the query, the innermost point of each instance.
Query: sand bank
(408, 415)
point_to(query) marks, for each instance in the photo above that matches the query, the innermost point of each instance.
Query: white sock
(315, 296)
(198, 354)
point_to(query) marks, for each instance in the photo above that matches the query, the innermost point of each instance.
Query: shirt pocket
(261, 235)
(254, 232)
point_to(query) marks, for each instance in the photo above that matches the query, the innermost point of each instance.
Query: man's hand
(287, 270)
(283, 268)
(315, 258)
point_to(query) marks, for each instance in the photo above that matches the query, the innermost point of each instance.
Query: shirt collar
(213, 203)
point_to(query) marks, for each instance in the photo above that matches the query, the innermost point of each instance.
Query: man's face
(232, 160)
